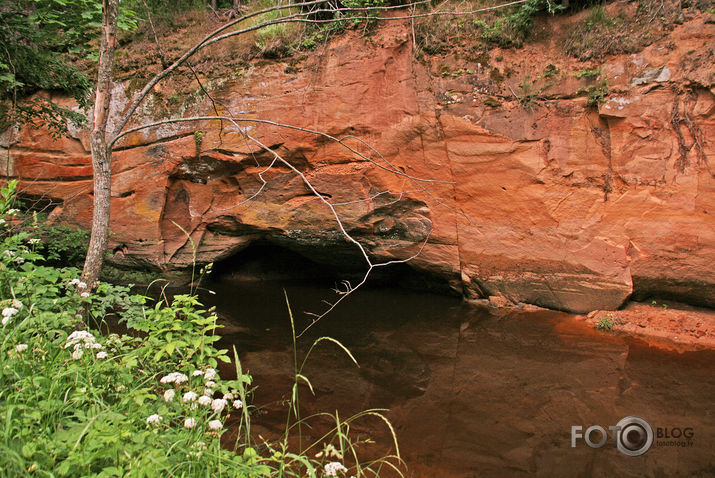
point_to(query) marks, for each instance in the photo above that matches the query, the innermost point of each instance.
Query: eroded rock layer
(540, 199)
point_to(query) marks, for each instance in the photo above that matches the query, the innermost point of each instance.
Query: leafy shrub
(511, 30)
(598, 90)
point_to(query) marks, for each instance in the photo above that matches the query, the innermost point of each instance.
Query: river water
(472, 393)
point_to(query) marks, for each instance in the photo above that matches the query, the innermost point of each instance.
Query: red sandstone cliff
(548, 202)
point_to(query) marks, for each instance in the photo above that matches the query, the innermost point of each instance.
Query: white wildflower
(5, 320)
(199, 445)
(84, 294)
(34, 240)
(197, 373)
(93, 346)
(77, 354)
(81, 285)
(189, 396)
(12, 212)
(2, 221)
(218, 405)
(169, 395)
(74, 282)
(19, 260)
(9, 311)
(9, 253)
(16, 304)
(20, 347)
(204, 400)
(101, 355)
(228, 396)
(153, 419)
(215, 425)
(208, 392)
(332, 468)
(174, 377)
(190, 423)
(237, 404)
(80, 336)
(210, 384)
(210, 374)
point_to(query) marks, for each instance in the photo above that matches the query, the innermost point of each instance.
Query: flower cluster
(193, 400)
(154, 419)
(332, 468)
(174, 377)
(81, 286)
(9, 312)
(78, 283)
(80, 340)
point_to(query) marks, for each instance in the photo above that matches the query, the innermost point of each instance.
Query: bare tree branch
(162, 56)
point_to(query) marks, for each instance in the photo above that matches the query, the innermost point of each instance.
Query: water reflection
(473, 394)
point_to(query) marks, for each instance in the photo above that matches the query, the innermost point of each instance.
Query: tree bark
(101, 153)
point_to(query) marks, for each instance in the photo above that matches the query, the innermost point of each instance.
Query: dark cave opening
(267, 261)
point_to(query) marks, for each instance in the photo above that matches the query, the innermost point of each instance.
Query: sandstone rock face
(552, 202)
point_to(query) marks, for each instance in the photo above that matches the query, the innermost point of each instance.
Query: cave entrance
(266, 261)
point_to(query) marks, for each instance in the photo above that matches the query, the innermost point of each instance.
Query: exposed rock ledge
(554, 204)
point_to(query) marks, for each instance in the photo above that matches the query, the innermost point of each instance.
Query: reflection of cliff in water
(472, 394)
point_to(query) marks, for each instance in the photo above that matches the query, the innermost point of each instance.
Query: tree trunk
(101, 153)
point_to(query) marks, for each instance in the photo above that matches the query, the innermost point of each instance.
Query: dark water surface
(469, 393)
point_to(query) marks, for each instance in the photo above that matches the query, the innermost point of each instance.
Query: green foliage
(529, 90)
(352, 9)
(596, 18)
(349, 15)
(61, 245)
(512, 29)
(605, 323)
(598, 90)
(198, 139)
(550, 71)
(588, 73)
(39, 39)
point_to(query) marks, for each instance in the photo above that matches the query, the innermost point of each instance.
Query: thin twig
(162, 56)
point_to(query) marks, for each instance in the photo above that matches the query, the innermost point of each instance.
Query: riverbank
(661, 322)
